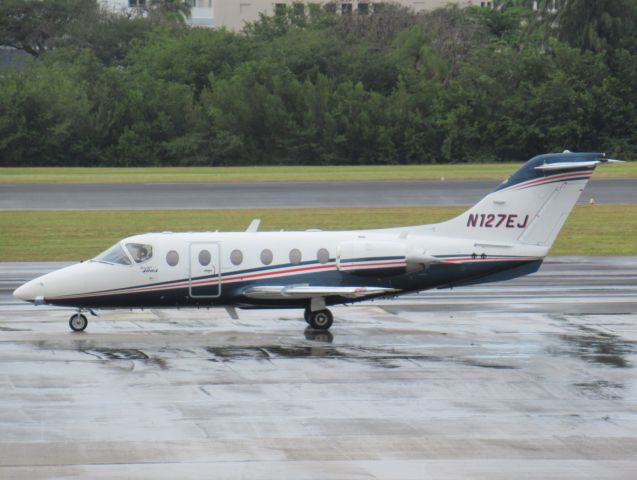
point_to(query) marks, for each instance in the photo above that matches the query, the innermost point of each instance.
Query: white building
(201, 14)
(234, 14)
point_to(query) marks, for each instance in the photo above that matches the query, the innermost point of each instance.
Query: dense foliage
(316, 88)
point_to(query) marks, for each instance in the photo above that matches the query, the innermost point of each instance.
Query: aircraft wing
(307, 291)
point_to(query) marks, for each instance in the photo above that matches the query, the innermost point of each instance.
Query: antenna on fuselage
(254, 225)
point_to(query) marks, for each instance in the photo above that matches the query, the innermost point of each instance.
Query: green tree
(317, 88)
(190, 56)
(599, 26)
(172, 13)
(109, 35)
(35, 26)
(142, 120)
(45, 115)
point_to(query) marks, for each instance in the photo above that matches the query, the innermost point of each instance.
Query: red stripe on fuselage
(540, 181)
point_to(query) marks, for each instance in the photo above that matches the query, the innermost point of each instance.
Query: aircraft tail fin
(531, 206)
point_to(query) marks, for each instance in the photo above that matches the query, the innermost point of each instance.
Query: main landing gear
(78, 322)
(319, 319)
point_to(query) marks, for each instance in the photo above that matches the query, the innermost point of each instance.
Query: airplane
(505, 235)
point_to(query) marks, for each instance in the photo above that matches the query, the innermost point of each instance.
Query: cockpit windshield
(115, 254)
(139, 252)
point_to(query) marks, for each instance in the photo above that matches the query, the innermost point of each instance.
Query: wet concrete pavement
(407, 389)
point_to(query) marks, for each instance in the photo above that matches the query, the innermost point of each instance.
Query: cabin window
(139, 252)
(115, 255)
(205, 257)
(266, 257)
(172, 258)
(323, 256)
(295, 256)
(236, 257)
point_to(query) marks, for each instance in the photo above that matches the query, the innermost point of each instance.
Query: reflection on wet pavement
(595, 346)
(601, 389)
(117, 354)
(318, 335)
(373, 356)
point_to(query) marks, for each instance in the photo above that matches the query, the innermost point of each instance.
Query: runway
(531, 378)
(274, 194)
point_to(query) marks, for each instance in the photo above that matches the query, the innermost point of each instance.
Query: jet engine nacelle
(372, 258)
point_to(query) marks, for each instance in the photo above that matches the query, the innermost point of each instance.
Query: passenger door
(204, 274)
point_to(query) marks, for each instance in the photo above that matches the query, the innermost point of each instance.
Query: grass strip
(471, 171)
(64, 235)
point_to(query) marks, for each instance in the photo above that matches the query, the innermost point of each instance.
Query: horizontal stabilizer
(548, 167)
(567, 165)
(307, 291)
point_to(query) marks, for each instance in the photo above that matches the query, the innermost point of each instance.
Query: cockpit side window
(140, 252)
(115, 254)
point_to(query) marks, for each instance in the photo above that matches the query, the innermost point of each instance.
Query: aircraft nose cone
(28, 292)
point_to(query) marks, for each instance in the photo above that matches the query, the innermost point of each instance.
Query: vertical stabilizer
(531, 206)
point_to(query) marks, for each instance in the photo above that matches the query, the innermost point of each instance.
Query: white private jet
(505, 235)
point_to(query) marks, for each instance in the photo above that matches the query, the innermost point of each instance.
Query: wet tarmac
(532, 378)
(276, 194)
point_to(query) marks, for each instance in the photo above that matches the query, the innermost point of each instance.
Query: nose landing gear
(78, 322)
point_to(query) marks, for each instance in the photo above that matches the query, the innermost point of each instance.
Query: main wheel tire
(78, 322)
(306, 315)
(321, 319)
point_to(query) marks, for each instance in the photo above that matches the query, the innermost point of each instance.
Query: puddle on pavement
(125, 354)
(9, 329)
(382, 358)
(475, 363)
(320, 347)
(602, 349)
(601, 389)
(594, 346)
(116, 353)
(106, 354)
(225, 354)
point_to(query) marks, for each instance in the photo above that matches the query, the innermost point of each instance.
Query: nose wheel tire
(78, 322)
(320, 319)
